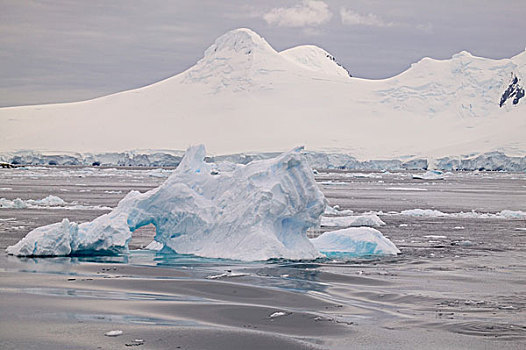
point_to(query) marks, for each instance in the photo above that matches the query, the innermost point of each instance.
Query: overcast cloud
(65, 50)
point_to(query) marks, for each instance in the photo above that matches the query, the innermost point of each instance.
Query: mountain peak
(236, 61)
(463, 54)
(241, 41)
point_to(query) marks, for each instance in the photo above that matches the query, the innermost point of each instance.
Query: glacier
(257, 211)
(490, 161)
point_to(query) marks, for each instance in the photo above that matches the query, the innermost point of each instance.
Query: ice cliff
(491, 161)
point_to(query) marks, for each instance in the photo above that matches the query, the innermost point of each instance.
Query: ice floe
(354, 242)
(405, 189)
(352, 221)
(49, 202)
(335, 210)
(433, 213)
(430, 175)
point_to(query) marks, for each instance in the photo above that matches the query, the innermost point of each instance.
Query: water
(459, 282)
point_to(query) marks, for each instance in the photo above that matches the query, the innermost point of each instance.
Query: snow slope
(245, 96)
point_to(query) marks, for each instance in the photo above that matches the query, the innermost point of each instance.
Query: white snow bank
(352, 221)
(432, 213)
(254, 212)
(354, 242)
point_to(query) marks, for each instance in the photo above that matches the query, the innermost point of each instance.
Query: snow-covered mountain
(245, 96)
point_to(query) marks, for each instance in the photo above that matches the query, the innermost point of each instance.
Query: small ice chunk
(435, 237)
(8, 219)
(513, 214)
(430, 175)
(354, 242)
(337, 211)
(278, 314)
(114, 333)
(12, 204)
(430, 213)
(465, 243)
(226, 275)
(352, 221)
(50, 240)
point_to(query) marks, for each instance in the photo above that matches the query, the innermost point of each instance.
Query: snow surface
(263, 100)
(354, 242)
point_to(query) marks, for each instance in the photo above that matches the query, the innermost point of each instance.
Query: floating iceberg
(354, 242)
(248, 212)
(257, 211)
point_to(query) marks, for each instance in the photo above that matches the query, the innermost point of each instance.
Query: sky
(70, 50)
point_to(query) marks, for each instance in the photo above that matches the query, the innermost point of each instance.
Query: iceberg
(256, 211)
(354, 242)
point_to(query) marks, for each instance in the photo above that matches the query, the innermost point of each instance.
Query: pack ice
(257, 211)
